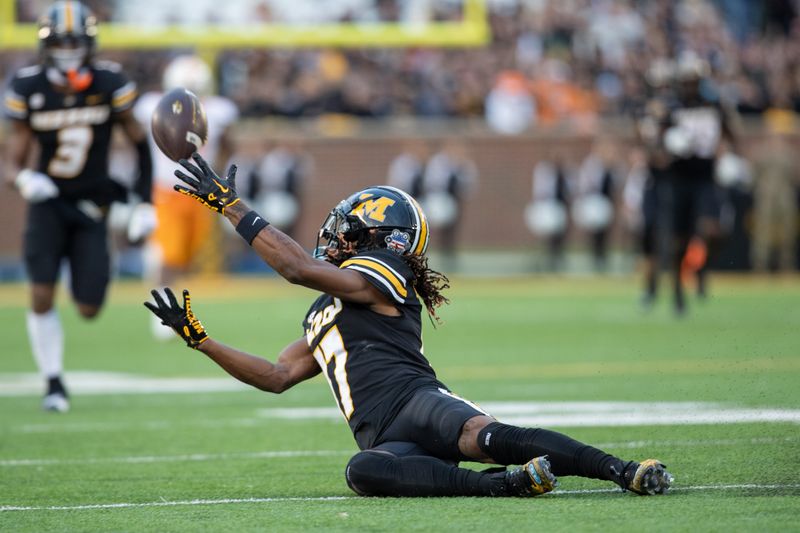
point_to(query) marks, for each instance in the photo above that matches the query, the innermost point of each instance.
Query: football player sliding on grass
(364, 333)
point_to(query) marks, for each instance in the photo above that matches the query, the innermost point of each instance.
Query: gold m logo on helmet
(374, 208)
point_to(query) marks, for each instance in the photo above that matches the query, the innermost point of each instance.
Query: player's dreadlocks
(428, 283)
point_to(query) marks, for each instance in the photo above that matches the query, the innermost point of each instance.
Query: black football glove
(180, 319)
(205, 186)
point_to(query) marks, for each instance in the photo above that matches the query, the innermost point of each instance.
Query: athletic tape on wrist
(249, 226)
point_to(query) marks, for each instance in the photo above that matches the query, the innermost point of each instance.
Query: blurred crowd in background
(552, 60)
(549, 63)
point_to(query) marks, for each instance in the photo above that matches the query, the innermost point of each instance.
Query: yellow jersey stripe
(123, 99)
(15, 104)
(382, 270)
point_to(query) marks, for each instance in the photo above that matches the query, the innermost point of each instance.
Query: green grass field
(229, 460)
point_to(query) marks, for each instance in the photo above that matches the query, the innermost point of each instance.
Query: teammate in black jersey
(655, 178)
(696, 127)
(68, 105)
(364, 334)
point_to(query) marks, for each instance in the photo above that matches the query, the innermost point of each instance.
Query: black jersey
(372, 362)
(73, 129)
(704, 122)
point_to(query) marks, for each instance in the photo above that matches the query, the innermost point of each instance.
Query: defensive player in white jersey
(182, 227)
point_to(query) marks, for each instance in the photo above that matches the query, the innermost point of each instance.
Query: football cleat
(56, 402)
(648, 478)
(531, 479)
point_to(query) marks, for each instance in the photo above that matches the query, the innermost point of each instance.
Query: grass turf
(510, 340)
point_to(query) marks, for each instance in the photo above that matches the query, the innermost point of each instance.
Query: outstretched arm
(295, 364)
(297, 266)
(277, 249)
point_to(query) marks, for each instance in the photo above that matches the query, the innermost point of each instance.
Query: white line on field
(138, 459)
(272, 454)
(743, 486)
(531, 414)
(6, 508)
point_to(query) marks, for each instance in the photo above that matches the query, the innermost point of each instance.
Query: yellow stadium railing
(472, 30)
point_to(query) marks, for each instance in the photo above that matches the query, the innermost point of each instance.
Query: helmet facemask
(341, 231)
(67, 56)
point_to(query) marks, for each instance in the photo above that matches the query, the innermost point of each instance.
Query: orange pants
(183, 226)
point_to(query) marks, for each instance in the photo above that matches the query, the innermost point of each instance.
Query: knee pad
(363, 472)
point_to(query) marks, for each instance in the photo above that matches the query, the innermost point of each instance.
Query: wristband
(249, 226)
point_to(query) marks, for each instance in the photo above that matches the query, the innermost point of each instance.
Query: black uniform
(655, 198)
(694, 192)
(383, 384)
(74, 132)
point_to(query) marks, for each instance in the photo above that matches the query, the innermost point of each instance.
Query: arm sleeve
(15, 105)
(387, 272)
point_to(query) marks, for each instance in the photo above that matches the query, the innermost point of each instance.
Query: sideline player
(182, 229)
(68, 104)
(364, 334)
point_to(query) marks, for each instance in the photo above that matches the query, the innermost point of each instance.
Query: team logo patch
(398, 242)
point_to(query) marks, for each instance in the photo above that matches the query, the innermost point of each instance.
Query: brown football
(179, 124)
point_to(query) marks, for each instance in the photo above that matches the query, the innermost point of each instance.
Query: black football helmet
(67, 33)
(376, 217)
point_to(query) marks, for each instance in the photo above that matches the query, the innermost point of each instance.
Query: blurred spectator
(593, 207)
(407, 170)
(276, 184)
(546, 216)
(450, 176)
(510, 108)
(777, 178)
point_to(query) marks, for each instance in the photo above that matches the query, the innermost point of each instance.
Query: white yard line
(87, 383)
(591, 414)
(143, 459)
(284, 454)
(234, 501)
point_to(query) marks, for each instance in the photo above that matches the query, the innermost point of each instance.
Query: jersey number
(72, 151)
(331, 346)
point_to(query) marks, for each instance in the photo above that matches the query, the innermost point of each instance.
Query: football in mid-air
(179, 124)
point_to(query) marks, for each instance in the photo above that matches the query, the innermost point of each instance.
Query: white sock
(47, 342)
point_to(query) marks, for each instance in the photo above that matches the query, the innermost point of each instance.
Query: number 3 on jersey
(331, 346)
(73, 149)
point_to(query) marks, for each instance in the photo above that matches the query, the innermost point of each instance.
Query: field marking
(143, 459)
(533, 414)
(227, 501)
(284, 454)
(592, 414)
(90, 383)
(742, 486)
